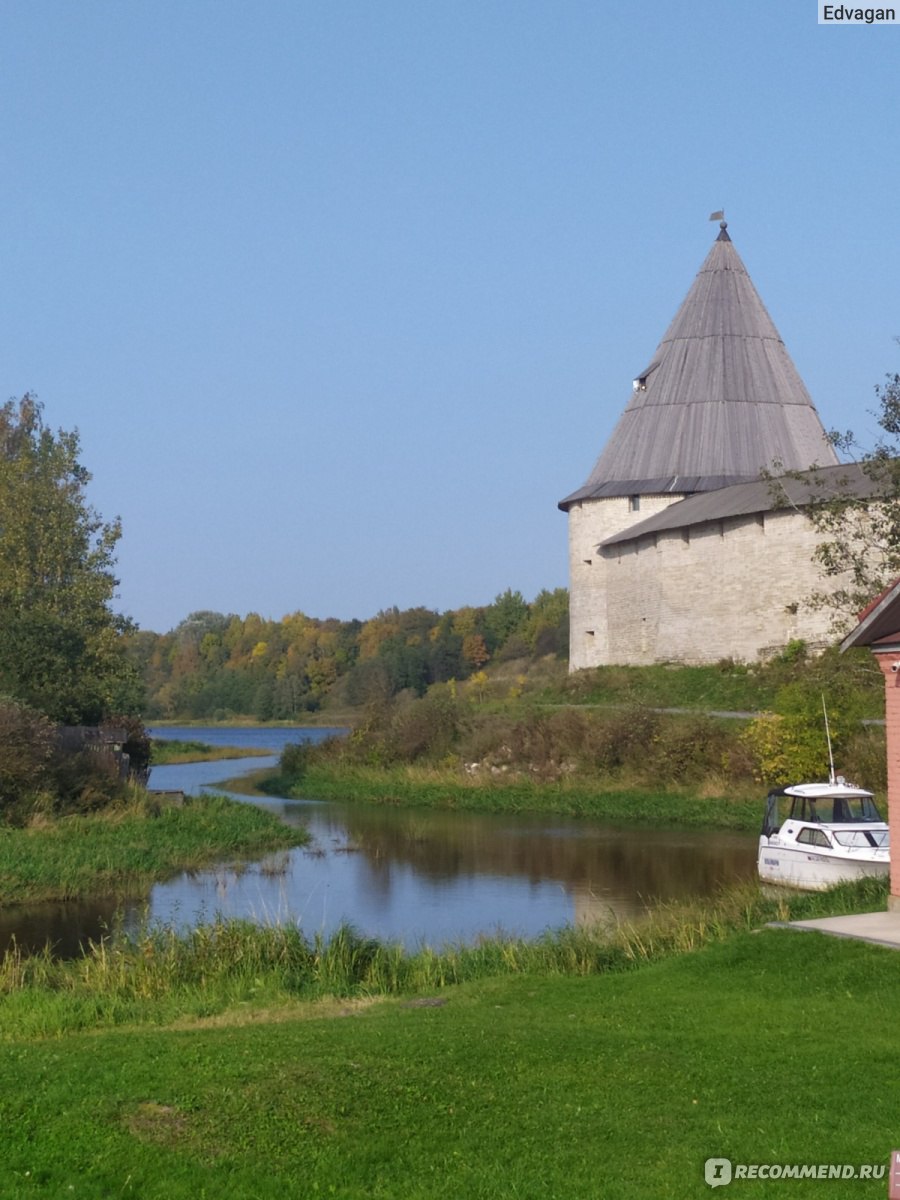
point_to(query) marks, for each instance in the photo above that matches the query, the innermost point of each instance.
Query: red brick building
(879, 629)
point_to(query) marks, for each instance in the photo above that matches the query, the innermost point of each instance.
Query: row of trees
(217, 665)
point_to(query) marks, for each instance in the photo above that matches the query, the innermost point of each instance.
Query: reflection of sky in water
(418, 875)
(395, 903)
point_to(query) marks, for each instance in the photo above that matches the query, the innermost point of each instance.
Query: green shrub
(26, 749)
(426, 729)
(864, 758)
(786, 749)
(795, 651)
(294, 761)
(685, 749)
(86, 782)
(622, 738)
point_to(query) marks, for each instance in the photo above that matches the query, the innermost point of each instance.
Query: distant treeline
(218, 666)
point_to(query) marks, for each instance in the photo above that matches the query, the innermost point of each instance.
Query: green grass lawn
(771, 1047)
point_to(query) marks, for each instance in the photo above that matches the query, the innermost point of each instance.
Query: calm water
(413, 876)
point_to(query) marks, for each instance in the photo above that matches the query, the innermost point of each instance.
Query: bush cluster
(544, 743)
(38, 778)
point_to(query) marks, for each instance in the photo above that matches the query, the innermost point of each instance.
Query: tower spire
(719, 402)
(723, 225)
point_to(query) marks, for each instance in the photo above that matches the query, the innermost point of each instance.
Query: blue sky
(343, 297)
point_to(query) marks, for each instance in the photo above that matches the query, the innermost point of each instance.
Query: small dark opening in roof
(640, 380)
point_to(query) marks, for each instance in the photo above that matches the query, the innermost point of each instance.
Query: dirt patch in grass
(162, 1124)
(328, 1008)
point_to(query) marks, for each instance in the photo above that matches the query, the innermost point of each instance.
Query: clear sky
(343, 297)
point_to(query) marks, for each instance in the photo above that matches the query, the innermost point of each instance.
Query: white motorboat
(815, 835)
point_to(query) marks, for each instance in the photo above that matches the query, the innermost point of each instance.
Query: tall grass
(120, 850)
(543, 744)
(160, 974)
(172, 751)
(623, 801)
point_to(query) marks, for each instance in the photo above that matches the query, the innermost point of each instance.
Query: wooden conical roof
(719, 401)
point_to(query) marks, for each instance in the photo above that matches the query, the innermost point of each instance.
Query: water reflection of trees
(65, 927)
(585, 859)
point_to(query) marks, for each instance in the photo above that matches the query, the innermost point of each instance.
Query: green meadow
(563, 1087)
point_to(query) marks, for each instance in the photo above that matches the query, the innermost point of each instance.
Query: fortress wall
(590, 523)
(729, 589)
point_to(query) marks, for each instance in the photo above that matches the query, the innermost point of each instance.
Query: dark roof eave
(678, 485)
(880, 623)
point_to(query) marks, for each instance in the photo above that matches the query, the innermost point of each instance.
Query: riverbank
(168, 752)
(337, 717)
(447, 788)
(535, 1076)
(162, 974)
(122, 851)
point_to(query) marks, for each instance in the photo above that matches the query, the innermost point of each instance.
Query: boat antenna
(831, 778)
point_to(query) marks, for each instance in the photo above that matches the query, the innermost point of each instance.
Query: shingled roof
(719, 401)
(761, 496)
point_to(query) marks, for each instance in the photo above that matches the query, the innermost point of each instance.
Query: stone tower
(719, 401)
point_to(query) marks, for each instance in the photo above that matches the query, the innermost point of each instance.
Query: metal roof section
(719, 401)
(749, 499)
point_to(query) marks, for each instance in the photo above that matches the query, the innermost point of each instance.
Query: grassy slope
(727, 687)
(121, 852)
(617, 1085)
(662, 686)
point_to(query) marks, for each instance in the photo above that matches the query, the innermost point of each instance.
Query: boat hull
(796, 868)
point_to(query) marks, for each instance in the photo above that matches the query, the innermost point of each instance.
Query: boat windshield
(862, 838)
(835, 810)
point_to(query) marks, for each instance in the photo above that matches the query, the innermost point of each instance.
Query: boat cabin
(819, 804)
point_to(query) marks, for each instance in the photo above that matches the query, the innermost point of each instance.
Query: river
(411, 875)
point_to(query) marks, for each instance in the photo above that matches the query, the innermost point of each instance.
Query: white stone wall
(731, 589)
(590, 523)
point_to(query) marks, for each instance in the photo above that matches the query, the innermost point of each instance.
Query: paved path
(880, 928)
(700, 712)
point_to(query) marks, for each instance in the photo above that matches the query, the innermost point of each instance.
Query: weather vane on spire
(720, 217)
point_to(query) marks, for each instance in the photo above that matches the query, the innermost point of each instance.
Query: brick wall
(887, 660)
